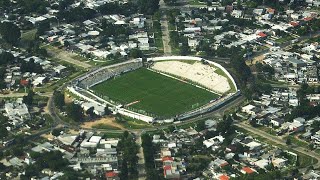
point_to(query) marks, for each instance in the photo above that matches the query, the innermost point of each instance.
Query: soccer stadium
(163, 88)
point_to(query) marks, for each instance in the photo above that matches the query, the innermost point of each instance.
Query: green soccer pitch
(154, 93)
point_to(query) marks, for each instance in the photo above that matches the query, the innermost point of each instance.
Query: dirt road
(279, 141)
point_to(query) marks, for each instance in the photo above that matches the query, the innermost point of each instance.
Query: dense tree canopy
(28, 99)
(59, 99)
(4, 3)
(149, 150)
(75, 112)
(31, 66)
(148, 7)
(34, 6)
(3, 130)
(77, 14)
(10, 32)
(6, 57)
(129, 150)
(116, 8)
(52, 160)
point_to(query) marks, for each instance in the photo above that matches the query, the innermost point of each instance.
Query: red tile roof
(261, 34)
(307, 19)
(111, 174)
(224, 177)
(24, 82)
(270, 10)
(248, 170)
(224, 164)
(167, 158)
(294, 24)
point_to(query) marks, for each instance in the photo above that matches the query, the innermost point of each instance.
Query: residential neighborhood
(159, 89)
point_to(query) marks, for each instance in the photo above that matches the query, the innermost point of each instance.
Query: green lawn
(284, 39)
(155, 94)
(29, 35)
(105, 126)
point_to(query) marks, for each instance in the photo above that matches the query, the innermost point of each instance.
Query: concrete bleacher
(105, 73)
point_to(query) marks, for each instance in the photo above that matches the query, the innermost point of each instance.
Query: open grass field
(154, 93)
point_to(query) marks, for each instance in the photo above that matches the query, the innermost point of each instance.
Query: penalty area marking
(132, 103)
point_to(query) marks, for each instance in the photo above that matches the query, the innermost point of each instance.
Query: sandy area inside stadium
(110, 121)
(205, 75)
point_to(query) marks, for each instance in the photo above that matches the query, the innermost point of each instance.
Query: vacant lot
(154, 93)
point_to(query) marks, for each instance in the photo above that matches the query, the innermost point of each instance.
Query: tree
(59, 99)
(5, 4)
(6, 57)
(17, 152)
(171, 128)
(56, 132)
(10, 32)
(124, 170)
(200, 126)
(184, 49)
(3, 132)
(31, 66)
(75, 112)
(107, 111)
(136, 53)
(148, 7)
(28, 99)
(43, 27)
(288, 141)
(129, 150)
(2, 167)
(239, 5)
(90, 112)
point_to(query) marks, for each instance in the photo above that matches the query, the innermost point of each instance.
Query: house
(296, 126)
(39, 81)
(299, 120)
(112, 175)
(262, 163)
(249, 109)
(253, 146)
(277, 122)
(219, 163)
(247, 170)
(59, 69)
(296, 62)
(258, 12)
(262, 35)
(171, 170)
(97, 109)
(213, 141)
(193, 43)
(17, 112)
(237, 13)
(210, 123)
(223, 177)
(279, 162)
(192, 30)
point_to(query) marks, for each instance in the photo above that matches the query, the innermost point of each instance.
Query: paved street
(141, 162)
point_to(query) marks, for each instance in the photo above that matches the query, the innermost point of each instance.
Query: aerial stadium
(159, 89)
